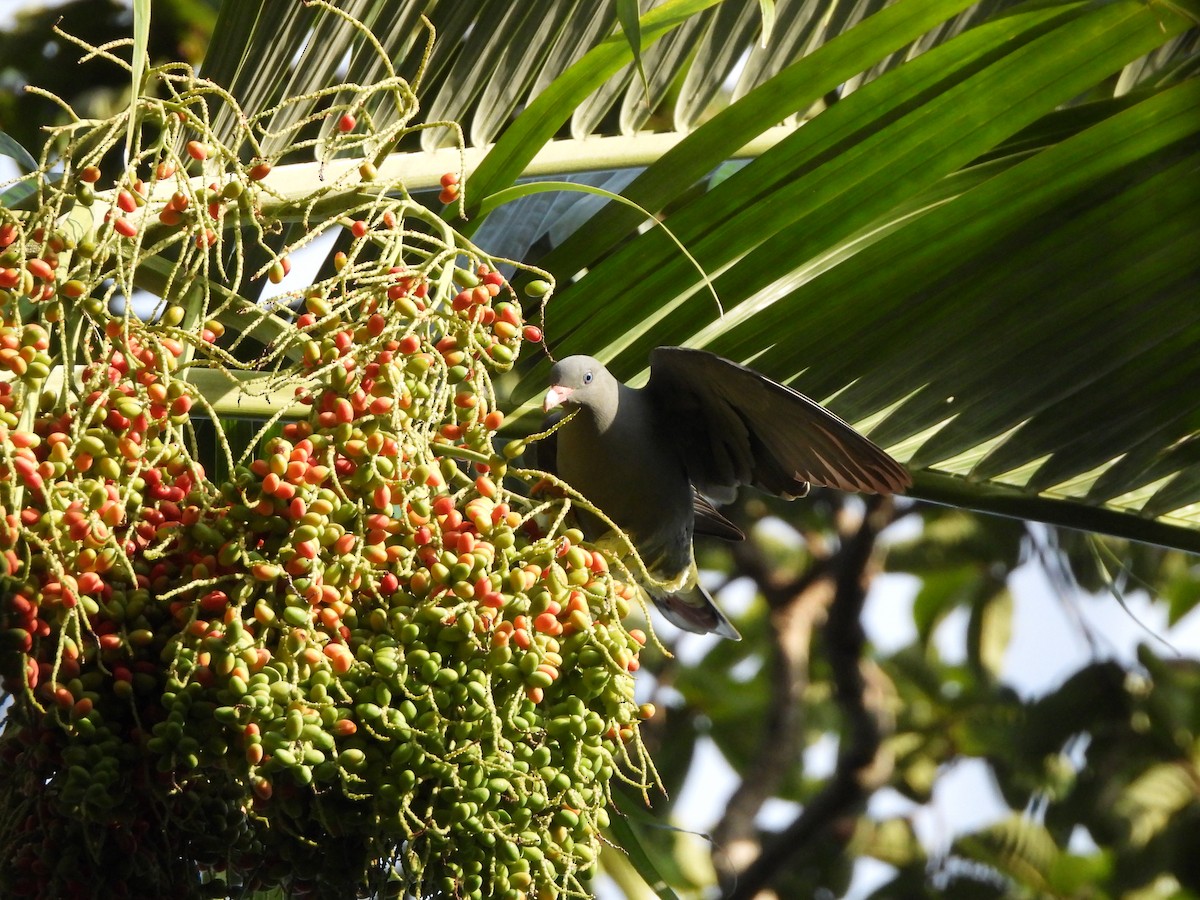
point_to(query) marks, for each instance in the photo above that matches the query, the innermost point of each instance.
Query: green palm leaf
(978, 247)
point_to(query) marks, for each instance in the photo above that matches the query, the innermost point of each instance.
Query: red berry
(40, 269)
(126, 201)
(74, 289)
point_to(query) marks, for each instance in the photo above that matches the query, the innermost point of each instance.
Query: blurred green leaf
(1180, 587)
(939, 594)
(989, 630)
(954, 538)
(956, 885)
(1072, 875)
(1094, 698)
(18, 154)
(892, 841)
(1155, 796)
(629, 839)
(735, 706)
(1018, 847)
(12, 195)
(673, 749)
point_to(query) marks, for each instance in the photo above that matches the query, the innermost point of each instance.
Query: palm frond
(978, 245)
(492, 57)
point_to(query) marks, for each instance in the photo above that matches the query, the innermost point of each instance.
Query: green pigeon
(656, 460)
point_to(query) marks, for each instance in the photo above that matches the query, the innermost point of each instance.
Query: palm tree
(968, 228)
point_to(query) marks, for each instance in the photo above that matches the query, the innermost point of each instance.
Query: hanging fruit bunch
(360, 659)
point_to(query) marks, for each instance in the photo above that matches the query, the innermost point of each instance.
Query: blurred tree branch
(797, 604)
(838, 584)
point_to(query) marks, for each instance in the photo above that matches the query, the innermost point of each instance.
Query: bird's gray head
(581, 381)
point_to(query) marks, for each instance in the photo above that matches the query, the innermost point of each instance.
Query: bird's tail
(678, 595)
(693, 609)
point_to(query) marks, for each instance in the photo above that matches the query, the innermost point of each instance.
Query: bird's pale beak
(556, 396)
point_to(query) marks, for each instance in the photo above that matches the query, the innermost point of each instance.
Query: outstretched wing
(735, 426)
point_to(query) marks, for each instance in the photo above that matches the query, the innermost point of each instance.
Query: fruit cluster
(360, 658)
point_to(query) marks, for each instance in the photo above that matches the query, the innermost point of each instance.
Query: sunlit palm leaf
(494, 56)
(1030, 331)
(958, 254)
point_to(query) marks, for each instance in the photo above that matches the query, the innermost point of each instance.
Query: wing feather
(709, 521)
(736, 426)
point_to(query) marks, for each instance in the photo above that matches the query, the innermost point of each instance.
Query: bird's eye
(587, 378)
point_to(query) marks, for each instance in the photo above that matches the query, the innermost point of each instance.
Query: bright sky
(10, 8)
